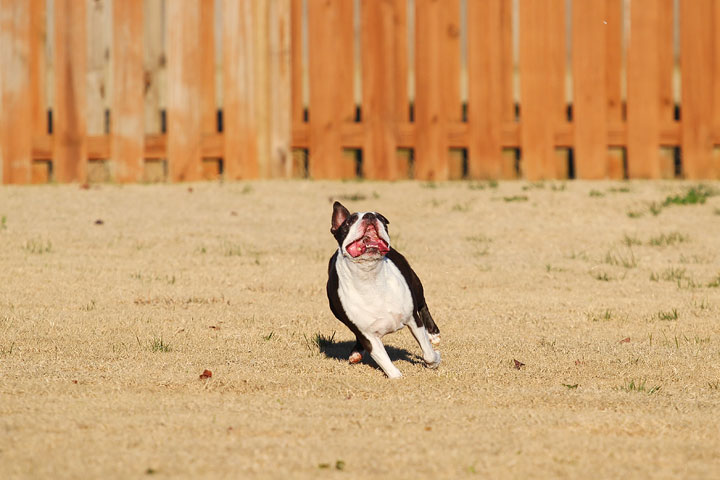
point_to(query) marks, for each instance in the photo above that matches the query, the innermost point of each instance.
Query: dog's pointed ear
(339, 215)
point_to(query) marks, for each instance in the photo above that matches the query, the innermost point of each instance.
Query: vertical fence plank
(98, 64)
(643, 92)
(208, 109)
(296, 29)
(541, 86)
(431, 144)
(127, 130)
(184, 90)
(589, 103)
(16, 126)
(279, 88)
(155, 61)
(613, 80)
(259, 70)
(716, 85)
(330, 41)
(240, 122)
(378, 96)
(400, 45)
(696, 41)
(507, 59)
(70, 112)
(38, 104)
(666, 59)
(485, 89)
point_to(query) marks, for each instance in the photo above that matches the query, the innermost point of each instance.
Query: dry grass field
(580, 323)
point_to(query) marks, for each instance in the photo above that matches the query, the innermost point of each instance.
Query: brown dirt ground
(231, 278)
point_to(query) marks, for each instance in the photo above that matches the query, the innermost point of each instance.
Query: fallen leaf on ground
(205, 374)
(625, 340)
(518, 365)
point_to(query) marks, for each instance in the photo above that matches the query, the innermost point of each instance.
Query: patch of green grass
(534, 186)
(602, 276)
(578, 256)
(3, 223)
(231, 249)
(516, 198)
(692, 196)
(616, 258)
(246, 189)
(635, 213)
(431, 185)
(606, 315)
(461, 207)
(667, 315)
(596, 193)
(157, 344)
(89, 307)
(673, 274)
(714, 283)
(558, 187)
(654, 277)
(483, 185)
(38, 246)
(351, 197)
(655, 208)
(629, 241)
(479, 238)
(668, 239)
(639, 386)
(623, 189)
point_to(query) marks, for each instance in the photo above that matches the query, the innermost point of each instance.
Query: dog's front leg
(379, 354)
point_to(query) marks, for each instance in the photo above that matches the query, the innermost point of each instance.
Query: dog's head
(361, 235)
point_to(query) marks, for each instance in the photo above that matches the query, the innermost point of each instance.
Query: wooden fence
(132, 90)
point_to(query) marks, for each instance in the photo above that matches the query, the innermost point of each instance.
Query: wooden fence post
(542, 79)
(589, 103)
(431, 143)
(239, 116)
(16, 128)
(184, 132)
(330, 39)
(485, 89)
(643, 91)
(379, 70)
(70, 154)
(127, 127)
(696, 30)
(277, 90)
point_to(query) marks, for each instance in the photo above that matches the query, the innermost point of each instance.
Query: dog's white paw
(355, 357)
(434, 338)
(435, 363)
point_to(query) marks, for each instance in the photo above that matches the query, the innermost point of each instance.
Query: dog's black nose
(369, 216)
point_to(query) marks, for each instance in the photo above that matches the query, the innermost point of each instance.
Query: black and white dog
(373, 290)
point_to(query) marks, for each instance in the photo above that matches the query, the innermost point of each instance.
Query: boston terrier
(373, 290)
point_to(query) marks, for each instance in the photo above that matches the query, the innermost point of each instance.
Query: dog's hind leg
(430, 355)
(432, 329)
(356, 353)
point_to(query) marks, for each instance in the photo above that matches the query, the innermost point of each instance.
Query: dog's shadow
(341, 351)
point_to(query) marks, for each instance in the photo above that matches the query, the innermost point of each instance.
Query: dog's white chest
(376, 300)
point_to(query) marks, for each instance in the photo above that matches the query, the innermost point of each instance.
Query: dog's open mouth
(370, 242)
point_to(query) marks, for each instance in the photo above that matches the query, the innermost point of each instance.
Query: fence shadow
(341, 351)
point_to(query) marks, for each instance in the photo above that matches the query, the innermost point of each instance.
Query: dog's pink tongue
(369, 240)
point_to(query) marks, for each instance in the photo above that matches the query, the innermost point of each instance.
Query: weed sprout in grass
(692, 196)
(596, 193)
(668, 239)
(159, 345)
(668, 316)
(38, 246)
(3, 223)
(640, 386)
(516, 198)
